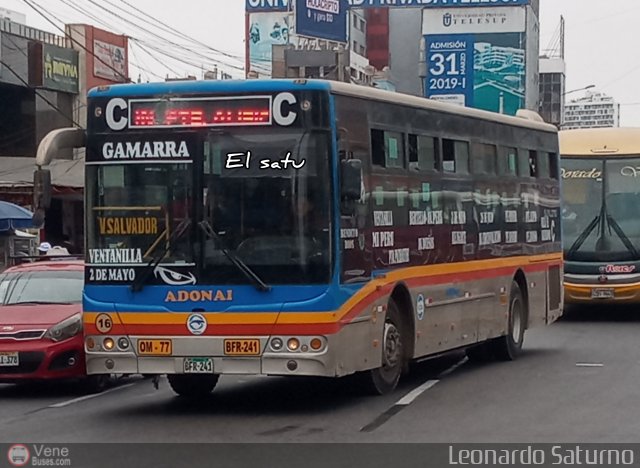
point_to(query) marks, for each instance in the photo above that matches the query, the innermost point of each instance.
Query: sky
(601, 39)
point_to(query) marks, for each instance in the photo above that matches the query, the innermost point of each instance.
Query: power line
(45, 99)
(183, 35)
(32, 6)
(148, 31)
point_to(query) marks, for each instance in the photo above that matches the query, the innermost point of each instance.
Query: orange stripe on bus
(372, 291)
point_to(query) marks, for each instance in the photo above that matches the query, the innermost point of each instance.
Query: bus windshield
(256, 198)
(135, 208)
(267, 198)
(601, 212)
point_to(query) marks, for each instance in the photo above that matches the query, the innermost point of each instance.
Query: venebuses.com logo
(38, 455)
(18, 455)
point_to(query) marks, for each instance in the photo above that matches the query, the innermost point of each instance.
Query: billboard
(285, 5)
(476, 58)
(267, 5)
(431, 3)
(266, 29)
(323, 19)
(109, 62)
(478, 20)
(59, 68)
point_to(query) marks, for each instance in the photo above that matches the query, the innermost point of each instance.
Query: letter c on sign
(288, 117)
(112, 122)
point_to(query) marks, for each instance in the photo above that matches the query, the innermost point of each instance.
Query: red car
(41, 323)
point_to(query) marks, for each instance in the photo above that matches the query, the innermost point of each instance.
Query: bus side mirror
(351, 177)
(41, 194)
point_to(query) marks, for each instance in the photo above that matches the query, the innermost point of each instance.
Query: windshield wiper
(603, 220)
(243, 267)
(139, 282)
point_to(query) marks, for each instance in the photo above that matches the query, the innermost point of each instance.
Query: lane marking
(415, 393)
(409, 398)
(88, 397)
(589, 364)
(448, 371)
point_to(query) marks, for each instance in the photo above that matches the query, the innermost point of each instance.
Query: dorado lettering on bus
(600, 209)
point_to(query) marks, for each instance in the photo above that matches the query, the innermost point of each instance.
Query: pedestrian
(43, 248)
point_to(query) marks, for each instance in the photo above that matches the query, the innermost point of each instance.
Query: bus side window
(523, 163)
(509, 161)
(455, 156)
(484, 159)
(533, 163)
(423, 153)
(387, 148)
(553, 165)
(543, 164)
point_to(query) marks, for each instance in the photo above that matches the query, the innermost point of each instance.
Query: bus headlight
(276, 344)
(66, 329)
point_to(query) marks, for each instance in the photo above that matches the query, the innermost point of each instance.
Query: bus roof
(599, 142)
(275, 85)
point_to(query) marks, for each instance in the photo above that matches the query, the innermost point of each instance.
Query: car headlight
(66, 329)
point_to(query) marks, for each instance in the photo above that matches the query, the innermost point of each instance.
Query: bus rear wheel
(192, 386)
(385, 378)
(509, 347)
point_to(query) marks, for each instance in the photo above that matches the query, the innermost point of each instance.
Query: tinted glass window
(455, 156)
(423, 151)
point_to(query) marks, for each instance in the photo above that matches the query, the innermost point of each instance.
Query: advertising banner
(266, 29)
(109, 61)
(323, 19)
(59, 68)
(450, 69)
(478, 20)
(284, 5)
(267, 5)
(485, 71)
(432, 3)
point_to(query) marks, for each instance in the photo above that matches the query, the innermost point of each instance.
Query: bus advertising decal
(174, 278)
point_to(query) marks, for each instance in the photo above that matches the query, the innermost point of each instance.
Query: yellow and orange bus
(601, 214)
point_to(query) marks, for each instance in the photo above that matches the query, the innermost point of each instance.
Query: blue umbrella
(14, 217)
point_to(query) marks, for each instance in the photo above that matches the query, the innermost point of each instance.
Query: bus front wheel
(385, 378)
(509, 347)
(193, 386)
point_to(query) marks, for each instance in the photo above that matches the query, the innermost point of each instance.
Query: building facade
(594, 110)
(44, 79)
(552, 90)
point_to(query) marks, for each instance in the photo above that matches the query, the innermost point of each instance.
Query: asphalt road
(578, 381)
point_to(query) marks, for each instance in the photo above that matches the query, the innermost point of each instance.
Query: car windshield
(49, 287)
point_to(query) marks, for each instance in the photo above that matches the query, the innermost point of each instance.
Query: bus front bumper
(595, 293)
(303, 361)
